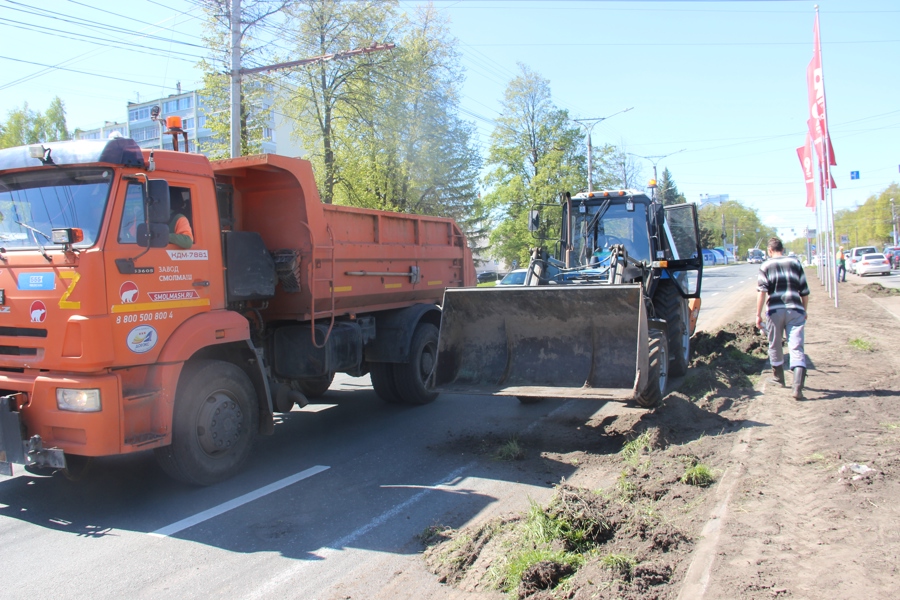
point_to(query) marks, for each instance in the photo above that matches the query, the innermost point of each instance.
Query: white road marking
(215, 511)
(273, 583)
(716, 294)
(313, 408)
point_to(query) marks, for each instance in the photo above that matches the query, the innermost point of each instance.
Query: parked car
(709, 257)
(515, 277)
(892, 254)
(487, 276)
(874, 263)
(855, 254)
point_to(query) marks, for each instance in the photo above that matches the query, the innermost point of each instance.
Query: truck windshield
(34, 203)
(616, 226)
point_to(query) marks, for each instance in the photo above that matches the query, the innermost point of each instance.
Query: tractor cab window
(34, 203)
(132, 214)
(592, 236)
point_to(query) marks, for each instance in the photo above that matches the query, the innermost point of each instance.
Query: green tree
(869, 223)
(535, 153)
(328, 92)
(666, 190)
(742, 226)
(24, 126)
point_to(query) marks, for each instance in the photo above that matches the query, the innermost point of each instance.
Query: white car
(516, 277)
(872, 263)
(855, 254)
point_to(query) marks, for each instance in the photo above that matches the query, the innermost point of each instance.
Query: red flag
(815, 132)
(805, 154)
(816, 93)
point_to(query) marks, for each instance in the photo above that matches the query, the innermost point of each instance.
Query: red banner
(816, 93)
(805, 154)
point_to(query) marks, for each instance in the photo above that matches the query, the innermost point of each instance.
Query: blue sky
(724, 81)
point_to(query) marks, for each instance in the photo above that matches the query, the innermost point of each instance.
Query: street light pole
(655, 161)
(588, 125)
(893, 222)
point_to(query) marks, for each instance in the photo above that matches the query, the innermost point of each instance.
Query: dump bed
(348, 260)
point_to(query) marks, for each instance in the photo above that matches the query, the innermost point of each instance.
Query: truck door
(152, 291)
(681, 233)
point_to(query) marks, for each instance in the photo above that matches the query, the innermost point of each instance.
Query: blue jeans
(786, 322)
(842, 273)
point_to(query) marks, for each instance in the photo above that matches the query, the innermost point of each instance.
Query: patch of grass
(622, 564)
(510, 450)
(699, 475)
(633, 449)
(891, 426)
(861, 344)
(625, 487)
(435, 534)
(533, 544)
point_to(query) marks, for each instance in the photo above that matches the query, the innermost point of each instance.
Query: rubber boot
(799, 380)
(777, 375)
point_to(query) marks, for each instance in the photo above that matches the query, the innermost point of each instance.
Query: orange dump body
(352, 260)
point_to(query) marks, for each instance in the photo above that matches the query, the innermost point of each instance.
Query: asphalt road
(328, 507)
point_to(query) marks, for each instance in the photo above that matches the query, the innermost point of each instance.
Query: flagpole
(826, 146)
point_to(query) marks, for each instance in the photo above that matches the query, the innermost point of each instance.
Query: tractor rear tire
(411, 378)
(658, 376)
(675, 310)
(213, 426)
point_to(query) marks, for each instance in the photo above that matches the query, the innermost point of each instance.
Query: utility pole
(588, 125)
(724, 236)
(235, 78)
(734, 239)
(893, 222)
(655, 161)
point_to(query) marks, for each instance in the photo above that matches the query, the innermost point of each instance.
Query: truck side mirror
(534, 220)
(154, 235)
(157, 202)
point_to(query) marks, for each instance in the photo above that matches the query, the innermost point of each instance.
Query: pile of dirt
(876, 290)
(631, 538)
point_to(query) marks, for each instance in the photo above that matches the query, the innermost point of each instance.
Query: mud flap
(562, 341)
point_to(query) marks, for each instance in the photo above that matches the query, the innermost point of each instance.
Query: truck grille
(23, 332)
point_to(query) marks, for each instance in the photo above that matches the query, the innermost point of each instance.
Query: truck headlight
(78, 400)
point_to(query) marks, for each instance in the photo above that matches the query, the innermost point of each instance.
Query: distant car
(488, 276)
(709, 257)
(516, 277)
(874, 263)
(892, 254)
(855, 254)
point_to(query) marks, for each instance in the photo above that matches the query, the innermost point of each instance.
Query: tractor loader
(607, 309)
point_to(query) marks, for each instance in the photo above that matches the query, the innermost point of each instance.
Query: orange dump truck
(114, 340)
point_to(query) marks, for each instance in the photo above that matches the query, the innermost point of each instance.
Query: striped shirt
(782, 277)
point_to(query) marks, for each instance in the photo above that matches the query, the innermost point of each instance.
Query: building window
(269, 134)
(201, 120)
(187, 124)
(145, 133)
(139, 114)
(185, 103)
(170, 106)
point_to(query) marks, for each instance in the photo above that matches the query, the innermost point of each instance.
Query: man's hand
(759, 322)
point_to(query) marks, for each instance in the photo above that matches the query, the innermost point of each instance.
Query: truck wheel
(659, 369)
(213, 425)
(382, 375)
(676, 312)
(410, 378)
(316, 388)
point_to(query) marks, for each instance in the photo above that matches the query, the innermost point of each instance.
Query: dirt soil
(729, 489)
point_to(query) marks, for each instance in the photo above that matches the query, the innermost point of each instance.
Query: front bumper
(13, 449)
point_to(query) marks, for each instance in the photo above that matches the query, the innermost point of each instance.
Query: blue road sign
(854, 174)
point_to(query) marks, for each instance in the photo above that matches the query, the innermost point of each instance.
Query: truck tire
(659, 368)
(316, 388)
(674, 309)
(213, 425)
(382, 375)
(411, 377)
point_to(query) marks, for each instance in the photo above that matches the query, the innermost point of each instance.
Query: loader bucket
(549, 341)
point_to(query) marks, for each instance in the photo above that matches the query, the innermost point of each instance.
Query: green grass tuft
(510, 450)
(699, 475)
(622, 564)
(633, 449)
(861, 344)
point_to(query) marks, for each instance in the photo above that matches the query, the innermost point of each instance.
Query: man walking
(784, 293)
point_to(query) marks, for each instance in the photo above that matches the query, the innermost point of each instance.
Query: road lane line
(267, 590)
(716, 294)
(215, 511)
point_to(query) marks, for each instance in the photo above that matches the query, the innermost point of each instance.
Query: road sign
(854, 174)
(845, 238)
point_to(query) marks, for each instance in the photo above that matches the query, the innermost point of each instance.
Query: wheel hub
(219, 425)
